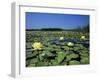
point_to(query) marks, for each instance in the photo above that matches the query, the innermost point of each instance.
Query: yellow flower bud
(83, 37)
(61, 38)
(70, 44)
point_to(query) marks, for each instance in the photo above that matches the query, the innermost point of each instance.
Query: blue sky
(52, 20)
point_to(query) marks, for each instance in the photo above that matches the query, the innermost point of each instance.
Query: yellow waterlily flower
(37, 46)
(83, 37)
(70, 44)
(61, 38)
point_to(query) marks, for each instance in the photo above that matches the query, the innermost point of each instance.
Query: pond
(75, 41)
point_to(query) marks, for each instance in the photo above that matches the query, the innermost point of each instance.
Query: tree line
(84, 29)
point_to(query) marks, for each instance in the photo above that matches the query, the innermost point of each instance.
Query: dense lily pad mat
(55, 48)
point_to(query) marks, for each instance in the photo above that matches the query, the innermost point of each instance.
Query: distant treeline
(46, 29)
(85, 28)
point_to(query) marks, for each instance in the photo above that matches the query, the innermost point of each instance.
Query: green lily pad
(74, 62)
(54, 62)
(48, 53)
(28, 45)
(34, 60)
(74, 55)
(32, 65)
(68, 58)
(76, 48)
(30, 55)
(61, 56)
(42, 63)
(84, 60)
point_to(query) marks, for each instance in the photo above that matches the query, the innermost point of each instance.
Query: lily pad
(74, 62)
(34, 60)
(61, 56)
(73, 55)
(84, 60)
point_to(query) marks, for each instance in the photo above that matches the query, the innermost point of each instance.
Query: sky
(53, 20)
